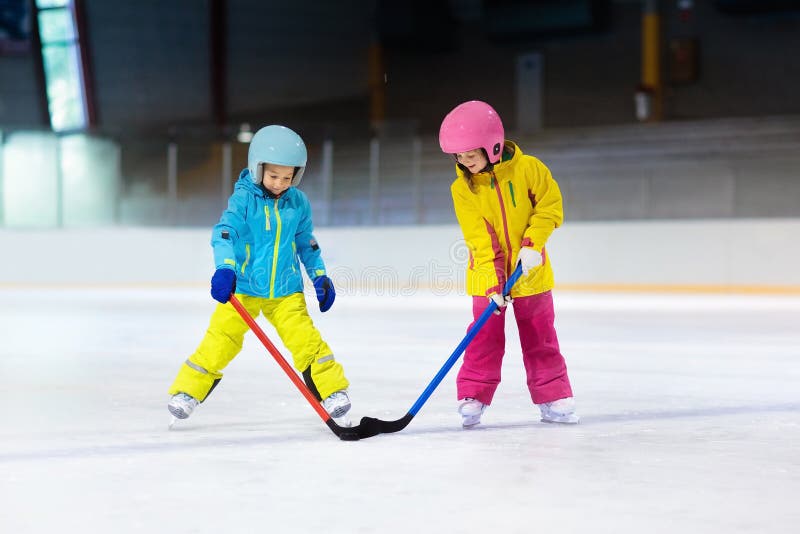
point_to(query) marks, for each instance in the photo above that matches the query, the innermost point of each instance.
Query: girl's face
(277, 178)
(474, 160)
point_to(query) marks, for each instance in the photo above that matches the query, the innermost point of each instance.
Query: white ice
(690, 406)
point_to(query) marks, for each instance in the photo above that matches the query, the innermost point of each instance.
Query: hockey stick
(344, 433)
(369, 426)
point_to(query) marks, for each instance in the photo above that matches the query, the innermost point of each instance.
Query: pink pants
(545, 368)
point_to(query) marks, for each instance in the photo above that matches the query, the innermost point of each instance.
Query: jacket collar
(246, 183)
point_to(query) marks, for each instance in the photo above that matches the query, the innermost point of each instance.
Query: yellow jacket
(516, 204)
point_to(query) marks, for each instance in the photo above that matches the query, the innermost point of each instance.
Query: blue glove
(223, 283)
(326, 294)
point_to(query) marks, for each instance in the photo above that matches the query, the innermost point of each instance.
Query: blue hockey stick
(369, 426)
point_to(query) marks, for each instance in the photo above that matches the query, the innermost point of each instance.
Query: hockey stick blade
(344, 433)
(369, 426)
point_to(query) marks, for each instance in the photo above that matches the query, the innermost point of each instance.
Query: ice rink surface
(690, 407)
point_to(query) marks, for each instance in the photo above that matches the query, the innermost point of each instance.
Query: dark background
(206, 63)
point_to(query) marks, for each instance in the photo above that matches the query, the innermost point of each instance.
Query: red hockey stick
(344, 433)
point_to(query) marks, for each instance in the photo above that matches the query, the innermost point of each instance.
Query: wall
(151, 66)
(152, 60)
(740, 255)
(289, 53)
(747, 66)
(746, 69)
(19, 100)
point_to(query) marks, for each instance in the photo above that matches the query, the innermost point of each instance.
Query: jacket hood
(246, 182)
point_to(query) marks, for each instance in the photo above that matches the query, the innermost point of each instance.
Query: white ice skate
(559, 411)
(343, 421)
(181, 406)
(471, 411)
(337, 404)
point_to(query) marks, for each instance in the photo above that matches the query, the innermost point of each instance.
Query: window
(64, 76)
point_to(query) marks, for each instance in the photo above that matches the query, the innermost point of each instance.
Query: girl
(257, 244)
(507, 205)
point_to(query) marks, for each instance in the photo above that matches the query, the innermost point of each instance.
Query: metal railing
(705, 169)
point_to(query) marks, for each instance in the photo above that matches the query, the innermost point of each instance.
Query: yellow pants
(225, 334)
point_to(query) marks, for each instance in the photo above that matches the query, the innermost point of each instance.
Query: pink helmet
(472, 125)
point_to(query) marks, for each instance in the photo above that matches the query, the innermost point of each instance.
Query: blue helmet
(278, 145)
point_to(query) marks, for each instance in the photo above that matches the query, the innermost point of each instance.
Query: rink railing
(729, 168)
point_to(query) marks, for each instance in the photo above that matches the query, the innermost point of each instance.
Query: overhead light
(245, 134)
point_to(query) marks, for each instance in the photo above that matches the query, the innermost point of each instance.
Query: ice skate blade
(562, 420)
(172, 422)
(470, 422)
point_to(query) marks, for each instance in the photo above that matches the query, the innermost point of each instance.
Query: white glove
(500, 300)
(530, 259)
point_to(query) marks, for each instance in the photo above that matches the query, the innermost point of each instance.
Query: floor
(690, 412)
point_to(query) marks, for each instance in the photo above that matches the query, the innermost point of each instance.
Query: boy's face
(277, 178)
(474, 160)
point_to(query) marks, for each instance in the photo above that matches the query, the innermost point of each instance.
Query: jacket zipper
(275, 251)
(505, 223)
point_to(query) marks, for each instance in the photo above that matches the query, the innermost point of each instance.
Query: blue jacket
(262, 238)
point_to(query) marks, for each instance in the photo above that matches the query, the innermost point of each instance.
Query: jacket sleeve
(226, 232)
(307, 246)
(548, 212)
(486, 260)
